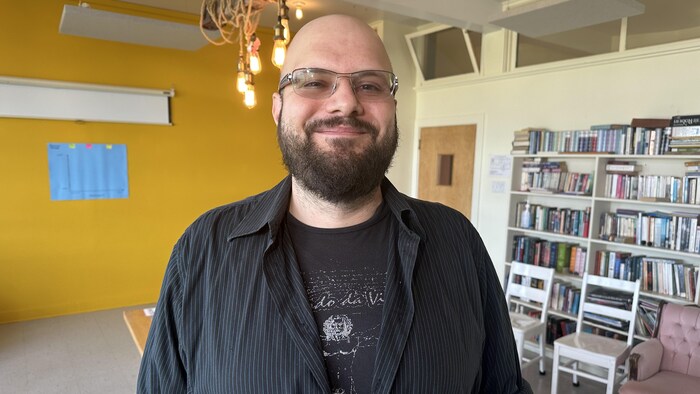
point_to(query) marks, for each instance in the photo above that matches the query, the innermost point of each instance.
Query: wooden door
(446, 168)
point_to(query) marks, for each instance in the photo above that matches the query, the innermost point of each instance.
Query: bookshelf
(665, 262)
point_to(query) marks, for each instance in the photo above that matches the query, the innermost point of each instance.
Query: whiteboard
(39, 99)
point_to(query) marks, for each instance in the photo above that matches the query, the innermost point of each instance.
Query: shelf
(604, 327)
(671, 205)
(548, 234)
(669, 298)
(594, 155)
(527, 304)
(559, 313)
(580, 197)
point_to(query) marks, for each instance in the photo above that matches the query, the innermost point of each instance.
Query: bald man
(332, 281)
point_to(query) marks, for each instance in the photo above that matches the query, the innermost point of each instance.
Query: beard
(340, 175)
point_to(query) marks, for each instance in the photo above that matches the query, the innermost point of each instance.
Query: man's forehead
(337, 43)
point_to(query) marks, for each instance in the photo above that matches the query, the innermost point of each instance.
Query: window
(664, 21)
(572, 44)
(446, 52)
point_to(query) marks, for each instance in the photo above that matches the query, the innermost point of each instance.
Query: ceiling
(530, 17)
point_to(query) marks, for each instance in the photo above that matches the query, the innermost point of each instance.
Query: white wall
(611, 91)
(400, 173)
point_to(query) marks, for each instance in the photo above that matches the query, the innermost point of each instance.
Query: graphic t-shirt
(344, 272)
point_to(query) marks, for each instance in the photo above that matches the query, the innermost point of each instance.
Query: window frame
(434, 28)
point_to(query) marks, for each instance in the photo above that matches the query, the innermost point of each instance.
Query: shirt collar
(271, 207)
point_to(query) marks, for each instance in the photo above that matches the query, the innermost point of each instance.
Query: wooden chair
(526, 327)
(597, 350)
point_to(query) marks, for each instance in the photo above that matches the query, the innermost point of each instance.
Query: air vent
(111, 26)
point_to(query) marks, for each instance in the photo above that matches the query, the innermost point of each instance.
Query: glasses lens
(372, 85)
(317, 83)
(313, 83)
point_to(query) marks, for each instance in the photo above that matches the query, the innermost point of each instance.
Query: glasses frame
(286, 80)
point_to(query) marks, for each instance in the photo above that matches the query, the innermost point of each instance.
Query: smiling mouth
(341, 132)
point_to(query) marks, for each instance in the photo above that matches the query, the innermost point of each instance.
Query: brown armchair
(670, 361)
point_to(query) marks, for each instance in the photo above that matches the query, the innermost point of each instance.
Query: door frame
(458, 120)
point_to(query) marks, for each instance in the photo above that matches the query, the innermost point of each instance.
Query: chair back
(679, 333)
(525, 291)
(605, 311)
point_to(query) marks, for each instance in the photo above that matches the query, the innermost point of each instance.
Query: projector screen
(40, 99)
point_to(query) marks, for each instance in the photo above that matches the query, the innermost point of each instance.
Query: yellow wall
(61, 257)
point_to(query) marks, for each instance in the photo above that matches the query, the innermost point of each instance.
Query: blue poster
(87, 171)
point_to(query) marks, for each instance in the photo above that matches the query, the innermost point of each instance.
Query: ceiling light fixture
(299, 12)
(237, 21)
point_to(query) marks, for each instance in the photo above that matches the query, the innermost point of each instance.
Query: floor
(94, 353)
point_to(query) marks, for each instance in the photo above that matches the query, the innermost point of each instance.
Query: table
(139, 322)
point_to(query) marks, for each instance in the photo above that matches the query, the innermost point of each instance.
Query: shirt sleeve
(500, 366)
(163, 367)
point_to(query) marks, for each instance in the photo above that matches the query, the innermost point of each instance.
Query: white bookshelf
(598, 202)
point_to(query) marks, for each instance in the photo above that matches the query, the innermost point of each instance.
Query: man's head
(339, 143)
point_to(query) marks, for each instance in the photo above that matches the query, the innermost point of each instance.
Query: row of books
(623, 181)
(675, 231)
(565, 297)
(685, 137)
(618, 139)
(666, 188)
(659, 275)
(645, 323)
(558, 327)
(613, 299)
(569, 221)
(552, 177)
(647, 316)
(565, 257)
(680, 135)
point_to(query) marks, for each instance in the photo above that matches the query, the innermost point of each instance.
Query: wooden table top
(139, 322)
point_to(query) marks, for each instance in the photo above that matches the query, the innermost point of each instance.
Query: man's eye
(369, 87)
(314, 84)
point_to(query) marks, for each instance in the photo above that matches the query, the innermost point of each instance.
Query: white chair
(526, 327)
(604, 352)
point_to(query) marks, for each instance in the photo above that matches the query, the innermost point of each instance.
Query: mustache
(362, 125)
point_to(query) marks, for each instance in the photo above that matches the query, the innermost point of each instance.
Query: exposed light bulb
(249, 98)
(240, 82)
(299, 13)
(255, 64)
(279, 51)
(240, 77)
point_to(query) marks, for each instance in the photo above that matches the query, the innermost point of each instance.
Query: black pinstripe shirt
(233, 316)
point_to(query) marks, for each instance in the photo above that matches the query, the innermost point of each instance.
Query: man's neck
(316, 212)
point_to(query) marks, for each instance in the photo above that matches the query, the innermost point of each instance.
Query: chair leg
(520, 344)
(574, 366)
(611, 380)
(555, 369)
(541, 341)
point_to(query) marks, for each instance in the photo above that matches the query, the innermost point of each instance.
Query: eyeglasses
(317, 83)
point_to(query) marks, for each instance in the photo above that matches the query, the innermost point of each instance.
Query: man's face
(338, 147)
(339, 156)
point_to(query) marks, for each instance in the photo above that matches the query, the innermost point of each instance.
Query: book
(610, 126)
(563, 257)
(685, 120)
(622, 167)
(650, 123)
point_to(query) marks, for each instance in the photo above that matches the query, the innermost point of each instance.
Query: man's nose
(344, 99)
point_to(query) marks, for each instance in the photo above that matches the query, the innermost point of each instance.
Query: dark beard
(340, 175)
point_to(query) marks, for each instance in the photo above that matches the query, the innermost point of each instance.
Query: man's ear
(276, 106)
